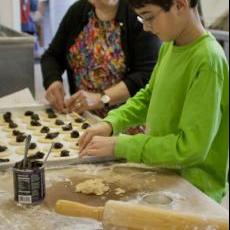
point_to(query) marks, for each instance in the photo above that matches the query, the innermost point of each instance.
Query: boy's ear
(182, 4)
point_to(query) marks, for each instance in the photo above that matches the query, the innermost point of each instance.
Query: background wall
(58, 9)
(214, 11)
(10, 14)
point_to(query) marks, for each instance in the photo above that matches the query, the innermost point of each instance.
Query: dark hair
(165, 4)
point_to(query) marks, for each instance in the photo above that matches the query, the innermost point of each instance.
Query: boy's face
(166, 25)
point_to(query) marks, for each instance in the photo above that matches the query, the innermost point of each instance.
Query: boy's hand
(100, 146)
(101, 129)
(83, 101)
(55, 94)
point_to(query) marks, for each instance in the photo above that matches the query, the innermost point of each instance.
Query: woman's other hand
(101, 129)
(84, 101)
(55, 94)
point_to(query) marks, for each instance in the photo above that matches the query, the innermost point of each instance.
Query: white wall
(10, 14)
(58, 9)
(214, 10)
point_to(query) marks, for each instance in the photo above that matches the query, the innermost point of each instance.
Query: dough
(119, 191)
(74, 147)
(14, 143)
(43, 140)
(21, 151)
(70, 140)
(4, 154)
(3, 151)
(7, 129)
(34, 127)
(54, 150)
(93, 187)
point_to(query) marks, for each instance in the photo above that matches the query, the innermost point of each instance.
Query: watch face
(105, 99)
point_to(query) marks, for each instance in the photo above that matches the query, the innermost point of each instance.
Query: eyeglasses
(149, 20)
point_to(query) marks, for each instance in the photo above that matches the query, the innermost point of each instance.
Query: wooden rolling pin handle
(69, 208)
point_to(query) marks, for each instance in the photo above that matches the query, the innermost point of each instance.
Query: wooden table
(138, 183)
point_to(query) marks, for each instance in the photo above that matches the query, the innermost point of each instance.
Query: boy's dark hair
(165, 4)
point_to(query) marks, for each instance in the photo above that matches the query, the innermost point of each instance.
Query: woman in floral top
(107, 55)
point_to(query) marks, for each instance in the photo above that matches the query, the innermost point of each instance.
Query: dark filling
(68, 127)
(3, 149)
(33, 146)
(59, 122)
(4, 160)
(52, 136)
(35, 117)
(29, 113)
(85, 126)
(45, 129)
(52, 116)
(75, 134)
(31, 164)
(49, 110)
(65, 153)
(79, 120)
(37, 156)
(20, 138)
(15, 132)
(12, 125)
(35, 123)
(7, 117)
(58, 145)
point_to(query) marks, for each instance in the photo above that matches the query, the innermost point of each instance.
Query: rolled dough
(93, 187)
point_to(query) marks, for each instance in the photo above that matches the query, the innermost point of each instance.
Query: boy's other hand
(100, 147)
(101, 129)
(55, 94)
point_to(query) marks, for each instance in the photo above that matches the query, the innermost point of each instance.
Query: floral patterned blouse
(96, 58)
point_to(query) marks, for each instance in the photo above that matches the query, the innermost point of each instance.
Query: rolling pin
(121, 215)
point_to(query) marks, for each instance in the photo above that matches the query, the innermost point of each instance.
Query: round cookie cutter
(157, 199)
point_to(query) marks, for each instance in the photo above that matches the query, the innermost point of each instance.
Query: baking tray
(15, 152)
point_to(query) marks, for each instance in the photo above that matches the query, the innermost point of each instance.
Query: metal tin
(29, 185)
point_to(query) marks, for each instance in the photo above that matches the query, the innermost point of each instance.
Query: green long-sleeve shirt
(185, 108)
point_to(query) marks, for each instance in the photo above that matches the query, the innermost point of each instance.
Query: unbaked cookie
(21, 150)
(49, 138)
(4, 151)
(57, 147)
(43, 131)
(10, 127)
(18, 140)
(61, 153)
(34, 125)
(73, 136)
(66, 129)
(75, 147)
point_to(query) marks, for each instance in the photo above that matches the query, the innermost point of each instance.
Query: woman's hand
(55, 94)
(100, 146)
(83, 101)
(101, 129)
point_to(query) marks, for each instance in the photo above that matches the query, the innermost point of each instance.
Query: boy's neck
(192, 31)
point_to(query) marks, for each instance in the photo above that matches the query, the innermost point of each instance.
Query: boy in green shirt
(185, 106)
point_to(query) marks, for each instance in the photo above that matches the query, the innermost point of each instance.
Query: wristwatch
(105, 99)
